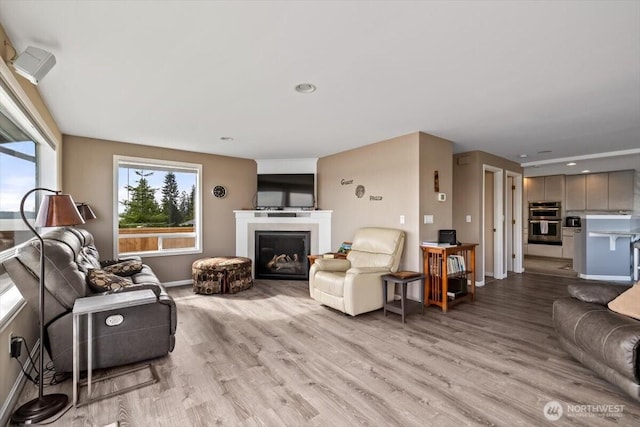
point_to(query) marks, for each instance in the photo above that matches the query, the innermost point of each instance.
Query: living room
(132, 99)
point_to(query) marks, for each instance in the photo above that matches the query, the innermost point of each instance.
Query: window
(157, 207)
(27, 160)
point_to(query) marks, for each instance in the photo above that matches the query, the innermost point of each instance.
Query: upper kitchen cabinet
(535, 189)
(576, 193)
(597, 191)
(545, 188)
(554, 188)
(621, 190)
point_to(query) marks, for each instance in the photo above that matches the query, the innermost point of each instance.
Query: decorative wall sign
(436, 182)
(375, 198)
(219, 191)
(346, 181)
(360, 191)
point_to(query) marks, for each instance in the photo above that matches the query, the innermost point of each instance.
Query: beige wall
(435, 155)
(467, 196)
(400, 170)
(88, 177)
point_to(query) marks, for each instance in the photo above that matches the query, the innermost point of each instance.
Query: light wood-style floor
(271, 356)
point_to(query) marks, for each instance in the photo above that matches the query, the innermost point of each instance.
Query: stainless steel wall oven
(545, 223)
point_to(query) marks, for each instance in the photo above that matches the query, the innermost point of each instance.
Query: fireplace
(282, 254)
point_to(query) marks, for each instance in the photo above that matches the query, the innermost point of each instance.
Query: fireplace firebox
(282, 254)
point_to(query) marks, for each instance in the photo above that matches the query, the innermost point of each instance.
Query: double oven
(545, 223)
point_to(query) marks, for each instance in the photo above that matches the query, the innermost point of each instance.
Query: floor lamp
(55, 210)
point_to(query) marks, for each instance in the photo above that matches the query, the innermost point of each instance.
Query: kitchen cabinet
(620, 189)
(567, 242)
(597, 185)
(535, 189)
(554, 188)
(545, 188)
(576, 193)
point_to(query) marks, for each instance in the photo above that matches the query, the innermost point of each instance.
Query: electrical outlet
(16, 347)
(401, 219)
(468, 218)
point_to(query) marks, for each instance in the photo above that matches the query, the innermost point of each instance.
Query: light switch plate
(442, 197)
(428, 219)
(468, 218)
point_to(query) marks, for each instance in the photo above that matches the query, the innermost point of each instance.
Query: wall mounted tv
(280, 191)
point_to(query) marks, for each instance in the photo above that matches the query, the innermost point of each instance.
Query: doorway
(493, 222)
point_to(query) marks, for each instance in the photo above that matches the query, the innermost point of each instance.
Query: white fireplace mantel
(248, 222)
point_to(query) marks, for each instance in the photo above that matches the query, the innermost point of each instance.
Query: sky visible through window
(17, 176)
(127, 176)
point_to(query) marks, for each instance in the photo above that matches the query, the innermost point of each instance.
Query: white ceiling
(507, 78)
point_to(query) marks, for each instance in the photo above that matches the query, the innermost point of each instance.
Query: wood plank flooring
(271, 356)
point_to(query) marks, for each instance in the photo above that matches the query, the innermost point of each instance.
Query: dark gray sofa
(605, 341)
(148, 331)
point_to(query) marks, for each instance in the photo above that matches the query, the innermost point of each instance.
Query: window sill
(161, 253)
(11, 303)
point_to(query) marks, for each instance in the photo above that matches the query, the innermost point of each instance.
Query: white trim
(479, 283)
(117, 159)
(177, 283)
(41, 126)
(14, 394)
(518, 263)
(498, 220)
(12, 314)
(604, 277)
(583, 157)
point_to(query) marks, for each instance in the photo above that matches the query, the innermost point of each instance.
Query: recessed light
(522, 156)
(544, 152)
(571, 164)
(585, 171)
(305, 88)
(226, 138)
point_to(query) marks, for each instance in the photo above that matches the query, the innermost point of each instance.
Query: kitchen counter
(606, 246)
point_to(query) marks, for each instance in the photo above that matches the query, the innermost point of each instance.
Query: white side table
(88, 306)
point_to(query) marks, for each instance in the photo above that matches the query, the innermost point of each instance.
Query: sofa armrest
(596, 293)
(331, 264)
(368, 270)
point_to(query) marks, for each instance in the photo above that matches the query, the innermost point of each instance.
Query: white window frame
(20, 108)
(118, 160)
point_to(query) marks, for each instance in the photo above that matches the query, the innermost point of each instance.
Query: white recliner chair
(354, 285)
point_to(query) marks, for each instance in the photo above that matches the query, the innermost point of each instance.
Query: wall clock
(219, 191)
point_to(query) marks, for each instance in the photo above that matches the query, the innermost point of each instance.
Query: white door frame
(517, 215)
(498, 220)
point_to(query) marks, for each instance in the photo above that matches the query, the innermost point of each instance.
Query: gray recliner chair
(148, 331)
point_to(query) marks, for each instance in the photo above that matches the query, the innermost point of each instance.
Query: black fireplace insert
(282, 254)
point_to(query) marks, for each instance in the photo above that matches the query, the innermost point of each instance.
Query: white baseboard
(603, 277)
(7, 408)
(176, 283)
(479, 283)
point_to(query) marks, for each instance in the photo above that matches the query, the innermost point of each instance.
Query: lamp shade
(58, 210)
(86, 212)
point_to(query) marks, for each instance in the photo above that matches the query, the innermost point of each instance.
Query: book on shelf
(328, 255)
(456, 264)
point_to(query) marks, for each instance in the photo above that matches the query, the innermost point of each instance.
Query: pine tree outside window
(157, 207)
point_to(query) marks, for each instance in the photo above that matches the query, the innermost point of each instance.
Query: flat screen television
(280, 191)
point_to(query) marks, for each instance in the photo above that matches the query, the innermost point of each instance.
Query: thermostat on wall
(442, 197)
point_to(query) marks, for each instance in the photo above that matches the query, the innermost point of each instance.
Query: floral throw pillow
(101, 281)
(124, 268)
